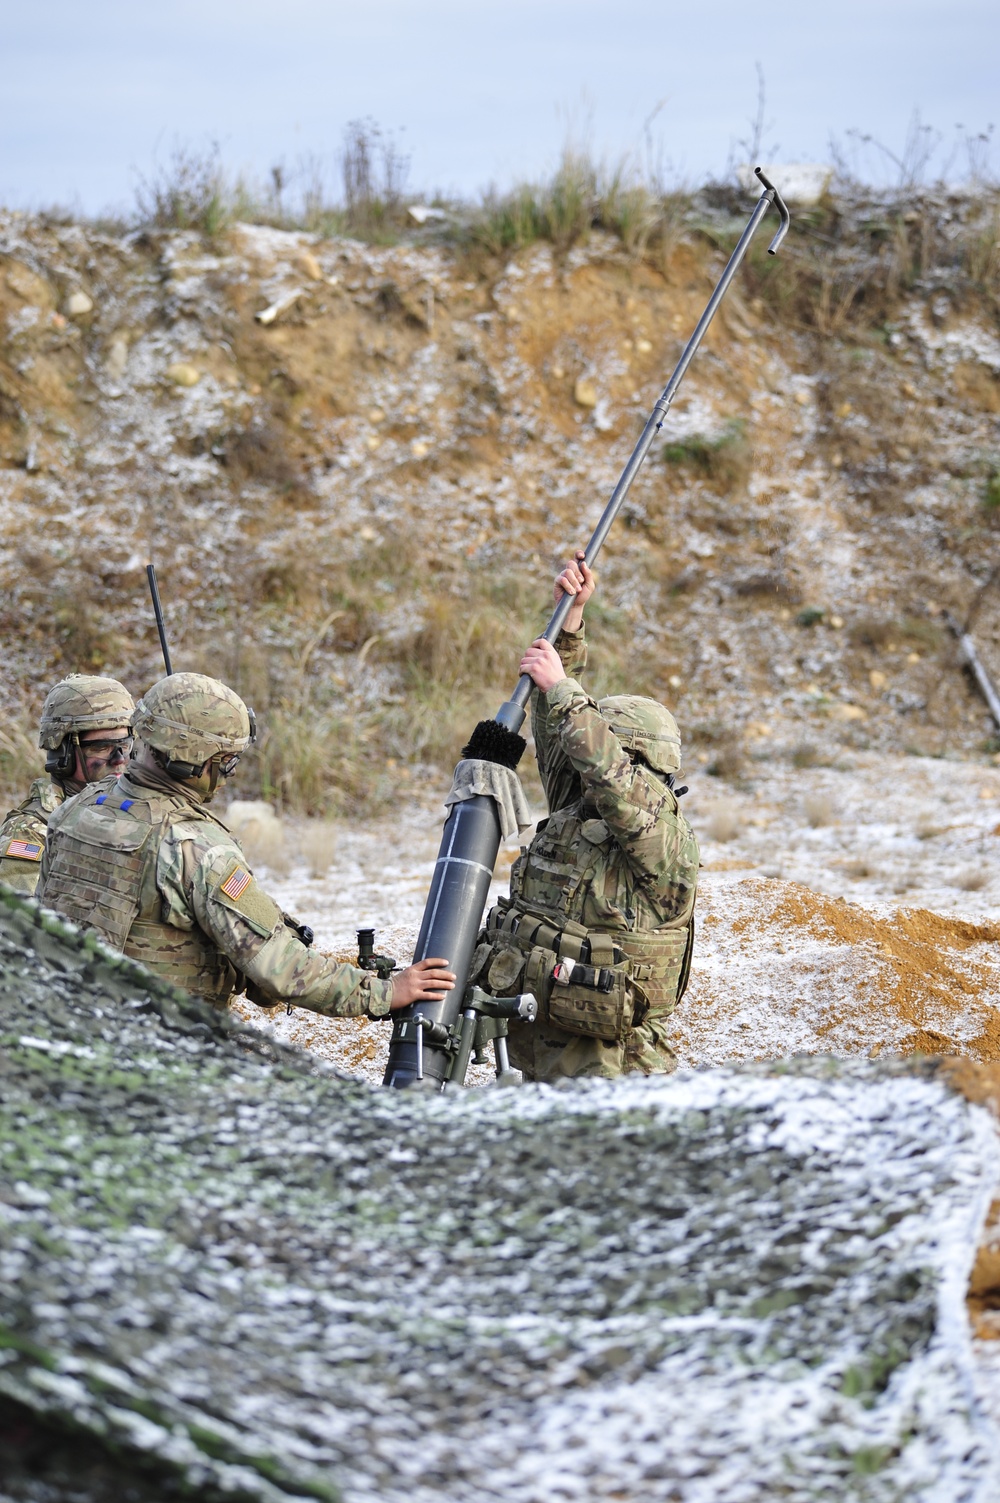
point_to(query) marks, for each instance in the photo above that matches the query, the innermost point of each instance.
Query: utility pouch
(538, 970)
(595, 1001)
(497, 968)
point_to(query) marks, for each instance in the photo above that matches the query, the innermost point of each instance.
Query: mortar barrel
(452, 917)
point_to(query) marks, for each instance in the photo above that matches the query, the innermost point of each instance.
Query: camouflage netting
(226, 1272)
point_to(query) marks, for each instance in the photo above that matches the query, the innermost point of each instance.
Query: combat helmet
(644, 726)
(81, 702)
(189, 718)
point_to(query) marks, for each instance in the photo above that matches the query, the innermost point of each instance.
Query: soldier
(144, 863)
(85, 735)
(600, 919)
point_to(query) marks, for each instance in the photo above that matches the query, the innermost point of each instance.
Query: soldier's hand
(425, 981)
(577, 579)
(542, 663)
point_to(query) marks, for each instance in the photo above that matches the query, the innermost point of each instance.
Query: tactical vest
(581, 933)
(101, 874)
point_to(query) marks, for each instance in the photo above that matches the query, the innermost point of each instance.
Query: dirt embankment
(356, 506)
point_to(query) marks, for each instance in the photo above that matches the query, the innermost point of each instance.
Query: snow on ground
(849, 909)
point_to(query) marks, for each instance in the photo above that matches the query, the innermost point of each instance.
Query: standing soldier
(85, 735)
(144, 863)
(600, 919)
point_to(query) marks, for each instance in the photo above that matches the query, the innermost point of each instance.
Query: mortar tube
(453, 913)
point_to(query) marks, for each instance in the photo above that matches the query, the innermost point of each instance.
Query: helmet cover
(191, 718)
(644, 726)
(83, 702)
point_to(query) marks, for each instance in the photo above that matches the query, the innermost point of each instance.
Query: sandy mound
(787, 970)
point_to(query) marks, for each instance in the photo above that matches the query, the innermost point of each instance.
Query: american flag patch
(236, 883)
(25, 850)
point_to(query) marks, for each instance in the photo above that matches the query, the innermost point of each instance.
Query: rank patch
(25, 849)
(236, 883)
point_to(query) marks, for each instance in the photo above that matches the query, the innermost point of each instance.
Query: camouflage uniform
(22, 835)
(142, 862)
(609, 883)
(81, 702)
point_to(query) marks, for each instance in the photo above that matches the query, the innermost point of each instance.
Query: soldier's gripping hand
(543, 665)
(425, 981)
(577, 579)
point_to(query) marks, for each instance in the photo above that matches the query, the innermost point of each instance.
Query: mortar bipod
(483, 1021)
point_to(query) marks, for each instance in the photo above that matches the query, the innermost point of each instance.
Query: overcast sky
(479, 92)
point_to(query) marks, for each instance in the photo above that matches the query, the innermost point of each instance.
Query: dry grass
(723, 458)
(723, 821)
(846, 263)
(844, 266)
(316, 842)
(20, 762)
(260, 833)
(581, 196)
(351, 703)
(818, 809)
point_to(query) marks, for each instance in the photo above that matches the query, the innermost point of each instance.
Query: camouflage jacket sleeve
(22, 837)
(637, 806)
(203, 878)
(559, 779)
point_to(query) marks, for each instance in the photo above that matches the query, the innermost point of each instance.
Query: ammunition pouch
(586, 982)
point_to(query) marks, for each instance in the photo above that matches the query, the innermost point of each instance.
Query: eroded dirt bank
(356, 507)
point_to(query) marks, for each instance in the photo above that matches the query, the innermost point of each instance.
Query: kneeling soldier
(85, 736)
(600, 919)
(144, 863)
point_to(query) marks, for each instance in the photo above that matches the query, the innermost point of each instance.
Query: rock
(117, 357)
(376, 415)
(28, 285)
(585, 392)
(847, 712)
(78, 304)
(878, 679)
(802, 398)
(182, 374)
(643, 347)
(268, 315)
(419, 449)
(307, 262)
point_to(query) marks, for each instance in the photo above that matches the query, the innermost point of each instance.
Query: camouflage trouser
(544, 1053)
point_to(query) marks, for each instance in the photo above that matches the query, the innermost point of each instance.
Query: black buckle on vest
(595, 978)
